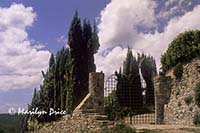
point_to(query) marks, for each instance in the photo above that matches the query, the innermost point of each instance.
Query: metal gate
(121, 101)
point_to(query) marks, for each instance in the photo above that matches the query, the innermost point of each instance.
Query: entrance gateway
(134, 115)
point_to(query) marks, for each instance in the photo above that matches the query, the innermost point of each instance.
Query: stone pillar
(96, 90)
(162, 92)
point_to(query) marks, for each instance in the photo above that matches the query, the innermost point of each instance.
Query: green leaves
(178, 71)
(84, 43)
(181, 50)
(129, 85)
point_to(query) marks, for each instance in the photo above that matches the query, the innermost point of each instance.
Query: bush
(197, 95)
(182, 49)
(188, 100)
(112, 107)
(178, 71)
(196, 119)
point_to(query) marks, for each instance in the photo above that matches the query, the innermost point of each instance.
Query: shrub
(196, 119)
(112, 107)
(197, 95)
(178, 71)
(181, 50)
(188, 100)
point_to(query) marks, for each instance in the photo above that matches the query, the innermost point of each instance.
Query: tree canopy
(182, 49)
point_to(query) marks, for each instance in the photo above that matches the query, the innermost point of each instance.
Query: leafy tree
(182, 49)
(112, 107)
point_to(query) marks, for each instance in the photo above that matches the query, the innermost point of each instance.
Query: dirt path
(168, 128)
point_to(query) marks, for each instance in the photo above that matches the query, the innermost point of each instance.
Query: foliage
(148, 71)
(129, 92)
(129, 89)
(182, 49)
(196, 119)
(11, 123)
(84, 43)
(188, 100)
(112, 107)
(178, 71)
(66, 79)
(197, 95)
(119, 128)
(58, 81)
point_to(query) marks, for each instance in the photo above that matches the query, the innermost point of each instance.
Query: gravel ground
(168, 128)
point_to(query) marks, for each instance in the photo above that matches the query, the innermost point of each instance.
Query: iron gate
(125, 104)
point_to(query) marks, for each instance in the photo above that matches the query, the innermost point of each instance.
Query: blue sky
(54, 18)
(31, 29)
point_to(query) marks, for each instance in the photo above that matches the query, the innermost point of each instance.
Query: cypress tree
(69, 84)
(129, 90)
(93, 46)
(75, 42)
(148, 70)
(84, 43)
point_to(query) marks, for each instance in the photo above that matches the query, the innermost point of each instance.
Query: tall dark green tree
(148, 71)
(84, 43)
(129, 90)
(66, 81)
(44, 99)
(75, 42)
(69, 84)
(93, 46)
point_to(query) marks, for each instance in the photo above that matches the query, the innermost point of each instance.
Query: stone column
(96, 89)
(162, 92)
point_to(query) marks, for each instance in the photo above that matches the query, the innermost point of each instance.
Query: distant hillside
(10, 123)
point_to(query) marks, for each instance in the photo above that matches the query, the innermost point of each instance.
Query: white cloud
(112, 61)
(39, 46)
(115, 28)
(119, 21)
(173, 8)
(21, 63)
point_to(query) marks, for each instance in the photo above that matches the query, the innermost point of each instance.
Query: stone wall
(95, 98)
(177, 111)
(79, 123)
(87, 117)
(171, 94)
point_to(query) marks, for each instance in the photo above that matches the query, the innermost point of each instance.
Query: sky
(30, 30)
